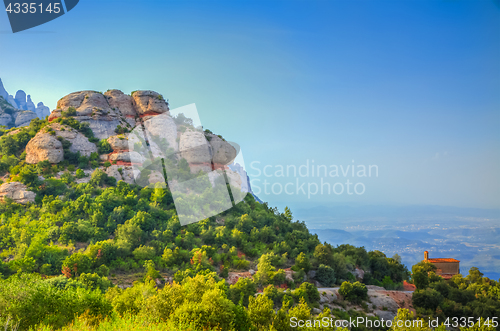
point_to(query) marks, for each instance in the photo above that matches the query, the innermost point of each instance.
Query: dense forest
(63, 257)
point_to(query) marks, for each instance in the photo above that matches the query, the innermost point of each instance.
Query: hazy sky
(410, 86)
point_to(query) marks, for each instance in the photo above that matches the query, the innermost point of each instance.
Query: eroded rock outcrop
(149, 103)
(44, 146)
(24, 118)
(79, 143)
(16, 191)
(125, 173)
(91, 107)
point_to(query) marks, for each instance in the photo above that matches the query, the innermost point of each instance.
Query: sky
(411, 88)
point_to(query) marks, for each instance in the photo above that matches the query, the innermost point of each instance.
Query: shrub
(325, 275)
(80, 173)
(354, 292)
(144, 253)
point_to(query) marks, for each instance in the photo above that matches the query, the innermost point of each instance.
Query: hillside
(80, 238)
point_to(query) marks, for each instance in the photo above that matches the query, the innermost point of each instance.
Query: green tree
(303, 262)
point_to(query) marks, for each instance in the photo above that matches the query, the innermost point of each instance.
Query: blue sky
(410, 86)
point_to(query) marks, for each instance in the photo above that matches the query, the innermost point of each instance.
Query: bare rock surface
(382, 300)
(24, 118)
(119, 142)
(121, 101)
(79, 143)
(16, 191)
(222, 151)
(149, 102)
(44, 146)
(194, 147)
(162, 127)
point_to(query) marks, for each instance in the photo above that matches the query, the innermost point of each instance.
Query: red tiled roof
(446, 276)
(442, 260)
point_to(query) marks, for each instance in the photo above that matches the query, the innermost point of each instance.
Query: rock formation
(29, 104)
(24, 118)
(21, 99)
(17, 192)
(42, 111)
(19, 110)
(3, 92)
(44, 146)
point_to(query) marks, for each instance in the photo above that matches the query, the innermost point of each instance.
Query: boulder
(44, 146)
(359, 274)
(126, 157)
(24, 118)
(113, 172)
(79, 143)
(121, 101)
(118, 143)
(194, 147)
(85, 102)
(222, 152)
(16, 191)
(147, 102)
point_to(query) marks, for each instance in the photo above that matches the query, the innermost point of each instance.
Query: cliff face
(19, 110)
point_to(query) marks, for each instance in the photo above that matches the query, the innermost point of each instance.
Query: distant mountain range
(19, 110)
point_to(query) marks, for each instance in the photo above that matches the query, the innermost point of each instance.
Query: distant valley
(467, 234)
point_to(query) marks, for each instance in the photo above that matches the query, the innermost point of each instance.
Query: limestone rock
(113, 172)
(21, 99)
(24, 118)
(29, 104)
(386, 315)
(85, 102)
(3, 92)
(17, 192)
(126, 157)
(42, 111)
(79, 143)
(12, 101)
(316, 311)
(380, 299)
(121, 101)
(128, 175)
(149, 102)
(222, 151)
(118, 143)
(162, 127)
(358, 273)
(194, 147)
(5, 119)
(44, 146)
(93, 108)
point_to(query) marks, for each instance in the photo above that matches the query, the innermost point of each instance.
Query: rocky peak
(3, 92)
(21, 99)
(21, 109)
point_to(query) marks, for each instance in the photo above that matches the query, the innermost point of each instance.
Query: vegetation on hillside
(59, 255)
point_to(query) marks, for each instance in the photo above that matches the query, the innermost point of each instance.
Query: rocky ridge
(111, 116)
(19, 110)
